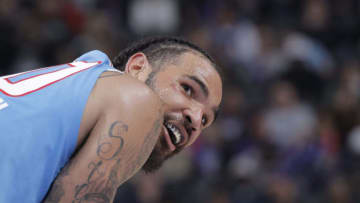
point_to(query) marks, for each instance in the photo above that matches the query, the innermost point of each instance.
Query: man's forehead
(193, 56)
(196, 64)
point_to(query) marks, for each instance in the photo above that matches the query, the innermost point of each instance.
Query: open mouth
(174, 133)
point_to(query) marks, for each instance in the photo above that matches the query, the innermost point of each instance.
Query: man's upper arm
(131, 119)
(120, 142)
(129, 115)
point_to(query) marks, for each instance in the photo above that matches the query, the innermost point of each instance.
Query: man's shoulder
(115, 87)
(120, 94)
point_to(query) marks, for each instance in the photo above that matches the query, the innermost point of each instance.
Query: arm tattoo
(103, 148)
(100, 187)
(96, 188)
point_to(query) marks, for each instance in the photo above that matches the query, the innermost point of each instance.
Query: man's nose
(194, 117)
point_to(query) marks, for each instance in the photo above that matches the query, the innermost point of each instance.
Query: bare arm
(115, 150)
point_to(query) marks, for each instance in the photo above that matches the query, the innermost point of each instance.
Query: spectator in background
(288, 122)
(306, 51)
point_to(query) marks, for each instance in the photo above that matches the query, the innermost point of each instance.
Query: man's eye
(188, 90)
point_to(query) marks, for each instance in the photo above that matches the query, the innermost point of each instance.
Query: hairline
(173, 58)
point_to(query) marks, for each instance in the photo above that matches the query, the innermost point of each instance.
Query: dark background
(289, 128)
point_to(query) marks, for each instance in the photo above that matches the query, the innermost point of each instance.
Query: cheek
(164, 90)
(172, 96)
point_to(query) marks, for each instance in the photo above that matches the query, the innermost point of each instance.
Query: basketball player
(75, 132)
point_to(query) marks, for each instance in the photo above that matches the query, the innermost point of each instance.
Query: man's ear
(138, 66)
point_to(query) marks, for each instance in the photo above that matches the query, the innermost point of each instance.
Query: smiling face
(191, 90)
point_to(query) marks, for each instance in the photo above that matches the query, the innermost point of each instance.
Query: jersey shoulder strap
(95, 56)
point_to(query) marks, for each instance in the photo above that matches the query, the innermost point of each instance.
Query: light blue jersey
(40, 115)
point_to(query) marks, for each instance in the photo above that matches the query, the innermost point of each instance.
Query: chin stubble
(158, 156)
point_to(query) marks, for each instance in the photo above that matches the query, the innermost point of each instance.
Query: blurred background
(289, 130)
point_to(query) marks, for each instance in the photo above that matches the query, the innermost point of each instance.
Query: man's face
(191, 90)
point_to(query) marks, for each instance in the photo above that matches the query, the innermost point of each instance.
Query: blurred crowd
(289, 130)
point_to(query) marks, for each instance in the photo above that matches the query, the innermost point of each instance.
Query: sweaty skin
(125, 121)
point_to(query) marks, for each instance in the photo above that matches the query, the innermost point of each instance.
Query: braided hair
(158, 49)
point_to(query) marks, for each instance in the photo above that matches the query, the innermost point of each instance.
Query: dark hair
(156, 48)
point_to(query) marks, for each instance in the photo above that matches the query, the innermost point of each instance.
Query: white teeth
(175, 131)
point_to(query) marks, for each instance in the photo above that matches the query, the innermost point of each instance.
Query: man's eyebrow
(200, 83)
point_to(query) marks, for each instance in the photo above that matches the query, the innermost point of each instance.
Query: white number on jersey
(36, 82)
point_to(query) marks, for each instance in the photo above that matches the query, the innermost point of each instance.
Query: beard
(160, 152)
(158, 156)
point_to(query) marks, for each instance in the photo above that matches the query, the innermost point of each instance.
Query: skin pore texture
(136, 121)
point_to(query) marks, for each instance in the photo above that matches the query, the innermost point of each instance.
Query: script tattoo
(110, 169)
(97, 188)
(106, 147)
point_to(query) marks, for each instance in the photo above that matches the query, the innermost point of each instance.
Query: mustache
(173, 117)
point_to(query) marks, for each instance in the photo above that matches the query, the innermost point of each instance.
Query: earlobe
(138, 66)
